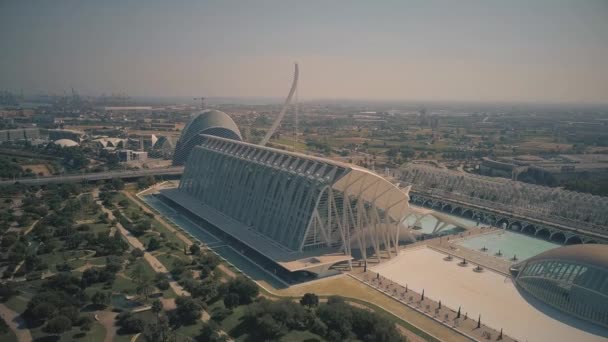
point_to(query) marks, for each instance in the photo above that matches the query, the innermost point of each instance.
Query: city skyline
(545, 51)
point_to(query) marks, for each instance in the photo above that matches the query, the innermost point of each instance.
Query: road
(170, 171)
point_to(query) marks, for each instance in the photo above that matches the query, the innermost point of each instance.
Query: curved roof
(212, 122)
(207, 119)
(65, 143)
(590, 254)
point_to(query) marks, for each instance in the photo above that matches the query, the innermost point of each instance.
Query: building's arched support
(490, 219)
(558, 237)
(543, 233)
(457, 211)
(447, 208)
(502, 222)
(516, 226)
(529, 229)
(428, 203)
(468, 213)
(573, 240)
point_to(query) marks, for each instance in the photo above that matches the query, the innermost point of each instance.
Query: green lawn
(97, 333)
(297, 336)
(17, 304)
(188, 331)
(9, 336)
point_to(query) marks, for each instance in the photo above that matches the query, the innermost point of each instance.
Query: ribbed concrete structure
(211, 122)
(573, 279)
(299, 211)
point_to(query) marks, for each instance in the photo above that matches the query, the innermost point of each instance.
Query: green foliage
(195, 249)
(231, 301)
(188, 310)
(129, 324)
(4, 328)
(101, 298)
(58, 325)
(246, 289)
(309, 300)
(153, 244)
(211, 332)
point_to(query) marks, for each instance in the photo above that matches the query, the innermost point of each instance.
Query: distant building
(130, 155)
(548, 171)
(19, 134)
(65, 143)
(56, 134)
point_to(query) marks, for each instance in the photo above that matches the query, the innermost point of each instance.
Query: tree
(244, 288)
(153, 244)
(144, 288)
(195, 249)
(118, 184)
(188, 310)
(157, 308)
(58, 325)
(268, 328)
(210, 332)
(310, 300)
(100, 298)
(159, 331)
(137, 253)
(231, 301)
(142, 280)
(129, 324)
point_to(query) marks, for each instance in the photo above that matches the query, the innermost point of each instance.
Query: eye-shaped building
(573, 279)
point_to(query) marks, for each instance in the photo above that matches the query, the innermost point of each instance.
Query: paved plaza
(491, 294)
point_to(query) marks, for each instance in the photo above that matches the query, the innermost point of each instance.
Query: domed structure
(210, 122)
(65, 143)
(573, 279)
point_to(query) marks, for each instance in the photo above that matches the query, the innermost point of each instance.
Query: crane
(202, 102)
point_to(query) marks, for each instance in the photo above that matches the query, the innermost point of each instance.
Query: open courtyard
(489, 294)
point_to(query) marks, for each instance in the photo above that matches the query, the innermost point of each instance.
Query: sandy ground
(490, 294)
(38, 169)
(15, 323)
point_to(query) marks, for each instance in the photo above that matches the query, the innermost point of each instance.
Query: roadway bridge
(567, 232)
(88, 177)
(513, 220)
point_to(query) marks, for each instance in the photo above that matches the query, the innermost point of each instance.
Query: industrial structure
(573, 279)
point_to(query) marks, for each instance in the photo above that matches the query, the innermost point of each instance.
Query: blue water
(247, 266)
(120, 301)
(180, 220)
(241, 262)
(509, 244)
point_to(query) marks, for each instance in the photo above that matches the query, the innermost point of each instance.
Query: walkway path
(156, 265)
(15, 323)
(108, 319)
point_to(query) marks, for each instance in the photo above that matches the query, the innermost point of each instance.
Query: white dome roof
(65, 143)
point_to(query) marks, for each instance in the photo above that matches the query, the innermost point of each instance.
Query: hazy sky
(530, 50)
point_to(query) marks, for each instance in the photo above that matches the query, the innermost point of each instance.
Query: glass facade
(577, 288)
